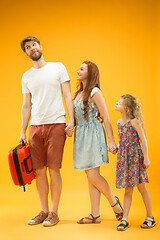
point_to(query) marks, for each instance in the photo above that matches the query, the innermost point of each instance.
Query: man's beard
(37, 56)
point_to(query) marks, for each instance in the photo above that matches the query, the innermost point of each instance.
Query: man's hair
(27, 39)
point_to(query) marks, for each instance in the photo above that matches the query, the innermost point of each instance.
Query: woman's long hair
(133, 106)
(92, 81)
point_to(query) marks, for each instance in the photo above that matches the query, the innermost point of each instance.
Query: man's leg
(55, 136)
(42, 187)
(55, 187)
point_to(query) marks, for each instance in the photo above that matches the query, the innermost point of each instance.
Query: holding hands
(112, 147)
(69, 129)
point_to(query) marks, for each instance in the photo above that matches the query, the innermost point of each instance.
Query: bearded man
(43, 86)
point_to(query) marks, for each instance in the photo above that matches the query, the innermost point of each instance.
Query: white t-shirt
(44, 84)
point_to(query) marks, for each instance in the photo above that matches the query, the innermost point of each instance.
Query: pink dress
(130, 171)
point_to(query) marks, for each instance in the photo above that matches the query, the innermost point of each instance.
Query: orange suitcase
(20, 165)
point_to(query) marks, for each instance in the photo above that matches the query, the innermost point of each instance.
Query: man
(42, 87)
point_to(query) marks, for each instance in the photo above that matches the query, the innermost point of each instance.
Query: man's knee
(40, 172)
(54, 172)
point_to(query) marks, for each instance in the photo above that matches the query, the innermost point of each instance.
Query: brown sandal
(91, 219)
(118, 215)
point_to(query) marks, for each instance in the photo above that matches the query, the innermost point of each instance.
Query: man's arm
(66, 91)
(25, 116)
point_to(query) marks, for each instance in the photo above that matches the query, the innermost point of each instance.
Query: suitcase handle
(23, 144)
(26, 165)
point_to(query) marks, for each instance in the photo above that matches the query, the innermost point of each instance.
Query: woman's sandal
(91, 219)
(123, 226)
(149, 223)
(118, 215)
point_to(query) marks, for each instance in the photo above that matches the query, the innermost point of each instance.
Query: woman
(90, 146)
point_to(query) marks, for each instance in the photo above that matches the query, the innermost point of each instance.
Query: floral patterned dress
(130, 171)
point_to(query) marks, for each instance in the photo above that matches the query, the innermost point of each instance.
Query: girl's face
(120, 107)
(82, 72)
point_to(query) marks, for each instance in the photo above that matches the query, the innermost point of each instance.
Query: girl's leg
(146, 199)
(127, 201)
(96, 180)
(127, 205)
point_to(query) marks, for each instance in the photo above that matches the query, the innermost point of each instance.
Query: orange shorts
(46, 143)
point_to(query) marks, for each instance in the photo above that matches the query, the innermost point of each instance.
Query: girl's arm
(100, 102)
(136, 124)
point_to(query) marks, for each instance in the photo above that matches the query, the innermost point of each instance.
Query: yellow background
(122, 38)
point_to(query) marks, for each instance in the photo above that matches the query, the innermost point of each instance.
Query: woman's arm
(100, 102)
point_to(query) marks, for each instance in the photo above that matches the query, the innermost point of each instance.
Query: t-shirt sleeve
(63, 73)
(94, 90)
(24, 85)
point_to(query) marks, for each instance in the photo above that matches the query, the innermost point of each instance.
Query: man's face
(33, 50)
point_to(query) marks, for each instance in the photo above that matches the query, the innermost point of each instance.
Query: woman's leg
(95, 199)
(102, 185)
(95, 205)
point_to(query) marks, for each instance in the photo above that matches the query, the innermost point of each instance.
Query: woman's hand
(112, 147)
(69, 129)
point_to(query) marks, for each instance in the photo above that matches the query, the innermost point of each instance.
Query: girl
(90, 147)
(132, 160)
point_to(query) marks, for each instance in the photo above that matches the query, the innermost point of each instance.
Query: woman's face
(82, 72)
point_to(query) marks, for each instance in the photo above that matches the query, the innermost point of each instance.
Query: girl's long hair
(133, 106)
(93, 81)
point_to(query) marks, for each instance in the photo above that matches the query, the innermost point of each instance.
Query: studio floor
(17, 207)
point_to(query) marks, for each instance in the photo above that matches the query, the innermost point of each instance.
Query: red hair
(93, 81)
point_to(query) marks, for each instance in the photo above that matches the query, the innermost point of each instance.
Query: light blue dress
(90, 146)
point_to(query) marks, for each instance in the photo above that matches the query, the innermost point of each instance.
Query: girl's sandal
(118, 215)
(148, 223)
(123, 226)
(91, 219)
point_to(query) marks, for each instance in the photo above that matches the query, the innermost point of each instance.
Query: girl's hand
(115, 151)
(146, 164)
(112, 147)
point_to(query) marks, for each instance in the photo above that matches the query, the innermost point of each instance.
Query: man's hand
(23, 138)
(69, 129)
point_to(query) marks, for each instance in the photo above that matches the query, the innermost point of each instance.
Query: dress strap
(94, 90)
